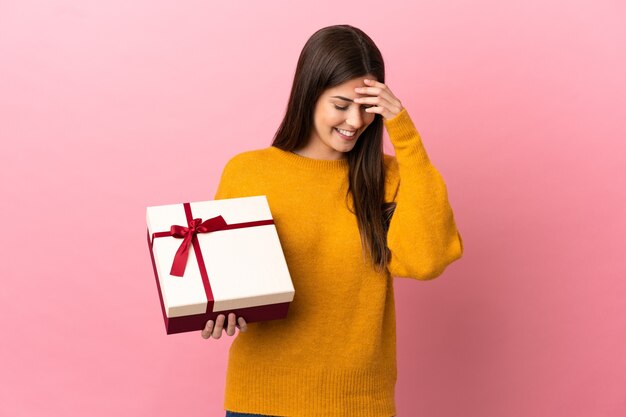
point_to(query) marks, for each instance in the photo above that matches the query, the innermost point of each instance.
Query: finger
(376, 98)
(243, 326)
(219, 326)
(381, 106)
(370, 100)
(367, 91)
(376, 84)
(230, 330)
(208, 329)
(372, 91)
(382, 111)
(378, 89)
(378, 110)
(372, 82)
(378, 104)
(376, 94)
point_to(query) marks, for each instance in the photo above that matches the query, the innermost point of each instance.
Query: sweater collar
(322, 165)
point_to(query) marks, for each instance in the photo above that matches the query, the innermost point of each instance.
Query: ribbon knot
(194, 227)
(182, 231)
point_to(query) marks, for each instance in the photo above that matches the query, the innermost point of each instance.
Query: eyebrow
(343, 98)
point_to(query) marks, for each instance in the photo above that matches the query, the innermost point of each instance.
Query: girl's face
(338, 121)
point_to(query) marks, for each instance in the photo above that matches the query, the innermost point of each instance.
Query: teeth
(346, 132)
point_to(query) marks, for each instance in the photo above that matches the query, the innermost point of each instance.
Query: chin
(343, 149)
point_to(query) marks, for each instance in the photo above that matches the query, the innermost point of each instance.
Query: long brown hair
(332, 56)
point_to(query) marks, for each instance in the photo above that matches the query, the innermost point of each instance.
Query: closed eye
(345, 108)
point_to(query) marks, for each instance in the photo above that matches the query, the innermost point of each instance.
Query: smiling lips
(346, 134)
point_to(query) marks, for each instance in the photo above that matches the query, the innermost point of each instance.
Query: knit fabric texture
(335, 353)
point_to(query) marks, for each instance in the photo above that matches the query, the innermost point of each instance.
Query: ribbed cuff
(405, 138)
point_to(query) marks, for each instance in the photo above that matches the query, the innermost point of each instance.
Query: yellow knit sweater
(335, 353)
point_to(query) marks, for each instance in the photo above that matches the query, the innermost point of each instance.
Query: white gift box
(246, 270)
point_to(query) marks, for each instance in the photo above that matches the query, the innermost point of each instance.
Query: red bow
(187, 233)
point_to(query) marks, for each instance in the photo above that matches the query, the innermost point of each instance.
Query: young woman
(349, 218)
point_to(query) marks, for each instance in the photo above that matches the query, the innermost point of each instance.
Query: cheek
(331, 122)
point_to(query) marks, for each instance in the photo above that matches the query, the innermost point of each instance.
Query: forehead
(348, 87)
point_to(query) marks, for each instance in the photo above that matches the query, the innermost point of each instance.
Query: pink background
(108, 107)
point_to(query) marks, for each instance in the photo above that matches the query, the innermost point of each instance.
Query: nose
(355, 117)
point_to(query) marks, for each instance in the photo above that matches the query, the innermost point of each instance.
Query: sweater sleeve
(224, 188)
(422, 236)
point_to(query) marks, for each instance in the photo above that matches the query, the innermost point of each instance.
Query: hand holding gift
(215, 329)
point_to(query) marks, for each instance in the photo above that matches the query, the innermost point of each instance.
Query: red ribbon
(195, 226)
(188, 233)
